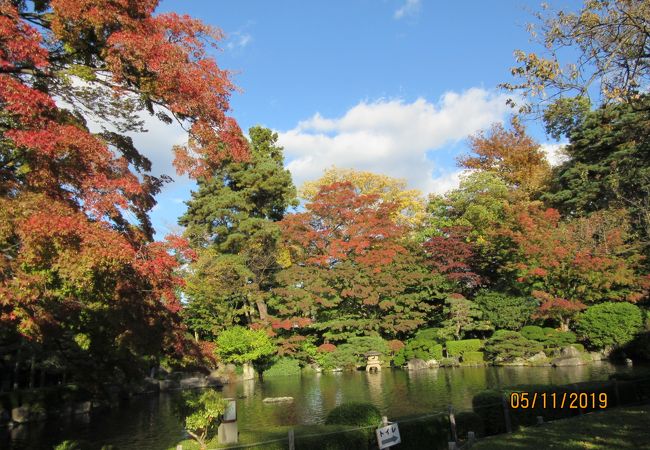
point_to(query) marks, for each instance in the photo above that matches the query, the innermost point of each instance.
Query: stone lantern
(374, 362)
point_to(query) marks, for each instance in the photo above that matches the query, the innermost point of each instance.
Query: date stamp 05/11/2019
(569, 400)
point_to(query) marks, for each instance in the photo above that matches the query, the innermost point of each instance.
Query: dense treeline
(520, 258)
(365, 264)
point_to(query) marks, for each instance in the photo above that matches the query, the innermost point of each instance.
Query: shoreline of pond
(396, 392)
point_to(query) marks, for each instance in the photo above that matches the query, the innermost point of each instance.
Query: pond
(149, 422)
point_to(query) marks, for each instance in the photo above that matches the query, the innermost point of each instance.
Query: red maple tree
(75, 238)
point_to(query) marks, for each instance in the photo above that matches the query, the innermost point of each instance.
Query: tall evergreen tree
(609, 165)
(231, 220)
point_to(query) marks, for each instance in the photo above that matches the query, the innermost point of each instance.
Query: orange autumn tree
(511, 154)
(350, 272)
(81, 279)
(569, 265)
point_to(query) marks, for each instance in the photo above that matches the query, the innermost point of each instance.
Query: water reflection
(149, 422)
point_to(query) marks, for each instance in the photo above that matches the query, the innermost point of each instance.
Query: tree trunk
(564, 324)
(16, 382)
(249, 372)
(32, 371)
(262, 309)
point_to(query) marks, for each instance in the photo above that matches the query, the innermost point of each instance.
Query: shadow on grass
(617, 428)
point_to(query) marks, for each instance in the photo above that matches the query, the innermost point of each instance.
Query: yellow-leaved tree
(412, 208)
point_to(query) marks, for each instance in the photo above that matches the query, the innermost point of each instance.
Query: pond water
(149, 422)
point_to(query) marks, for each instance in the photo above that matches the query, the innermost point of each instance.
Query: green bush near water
(458, 348)
(431, 334)
(550, 338)
(508, 345)
(357, 414)
(473, 358)
(418, 348)
(283, 367)
(610, 324)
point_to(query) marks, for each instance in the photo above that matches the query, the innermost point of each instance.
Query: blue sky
(392, 86)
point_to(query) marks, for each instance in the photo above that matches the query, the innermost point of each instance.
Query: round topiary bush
(357, 414)
(609, 324)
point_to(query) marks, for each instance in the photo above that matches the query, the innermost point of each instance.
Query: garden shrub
(528, 416)
(500, 333)
(449, 362)
(342, 440)
(418, 348)
(488, 406)
(534, 333)
(431, 334)
(457, 348)
(283, 367)
(549, 337)
(354, 413)
(467, 421)
(505, 311)
(344, 357)
(351, 354)
(364, 344)
(556, 338)
(579, 347)
(609, 324)
(510, 345)
(473, 358)
(427, 432)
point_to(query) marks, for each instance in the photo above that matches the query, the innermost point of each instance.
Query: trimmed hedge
(427, 432)
(343, 440)
(473, 358)
(430, 334)
(467, 421)
(354, 413)
(457, 348)
(488, 404)
(283, 367)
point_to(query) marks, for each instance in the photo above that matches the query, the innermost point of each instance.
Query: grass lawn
(619, 428)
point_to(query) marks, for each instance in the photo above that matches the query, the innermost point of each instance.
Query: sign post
(388, 434)
(227, 432)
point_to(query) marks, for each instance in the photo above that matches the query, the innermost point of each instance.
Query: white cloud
(391, 137)
(238, 39)
(555, 153)
(156, 144)
(409, 8)
(446, 182)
